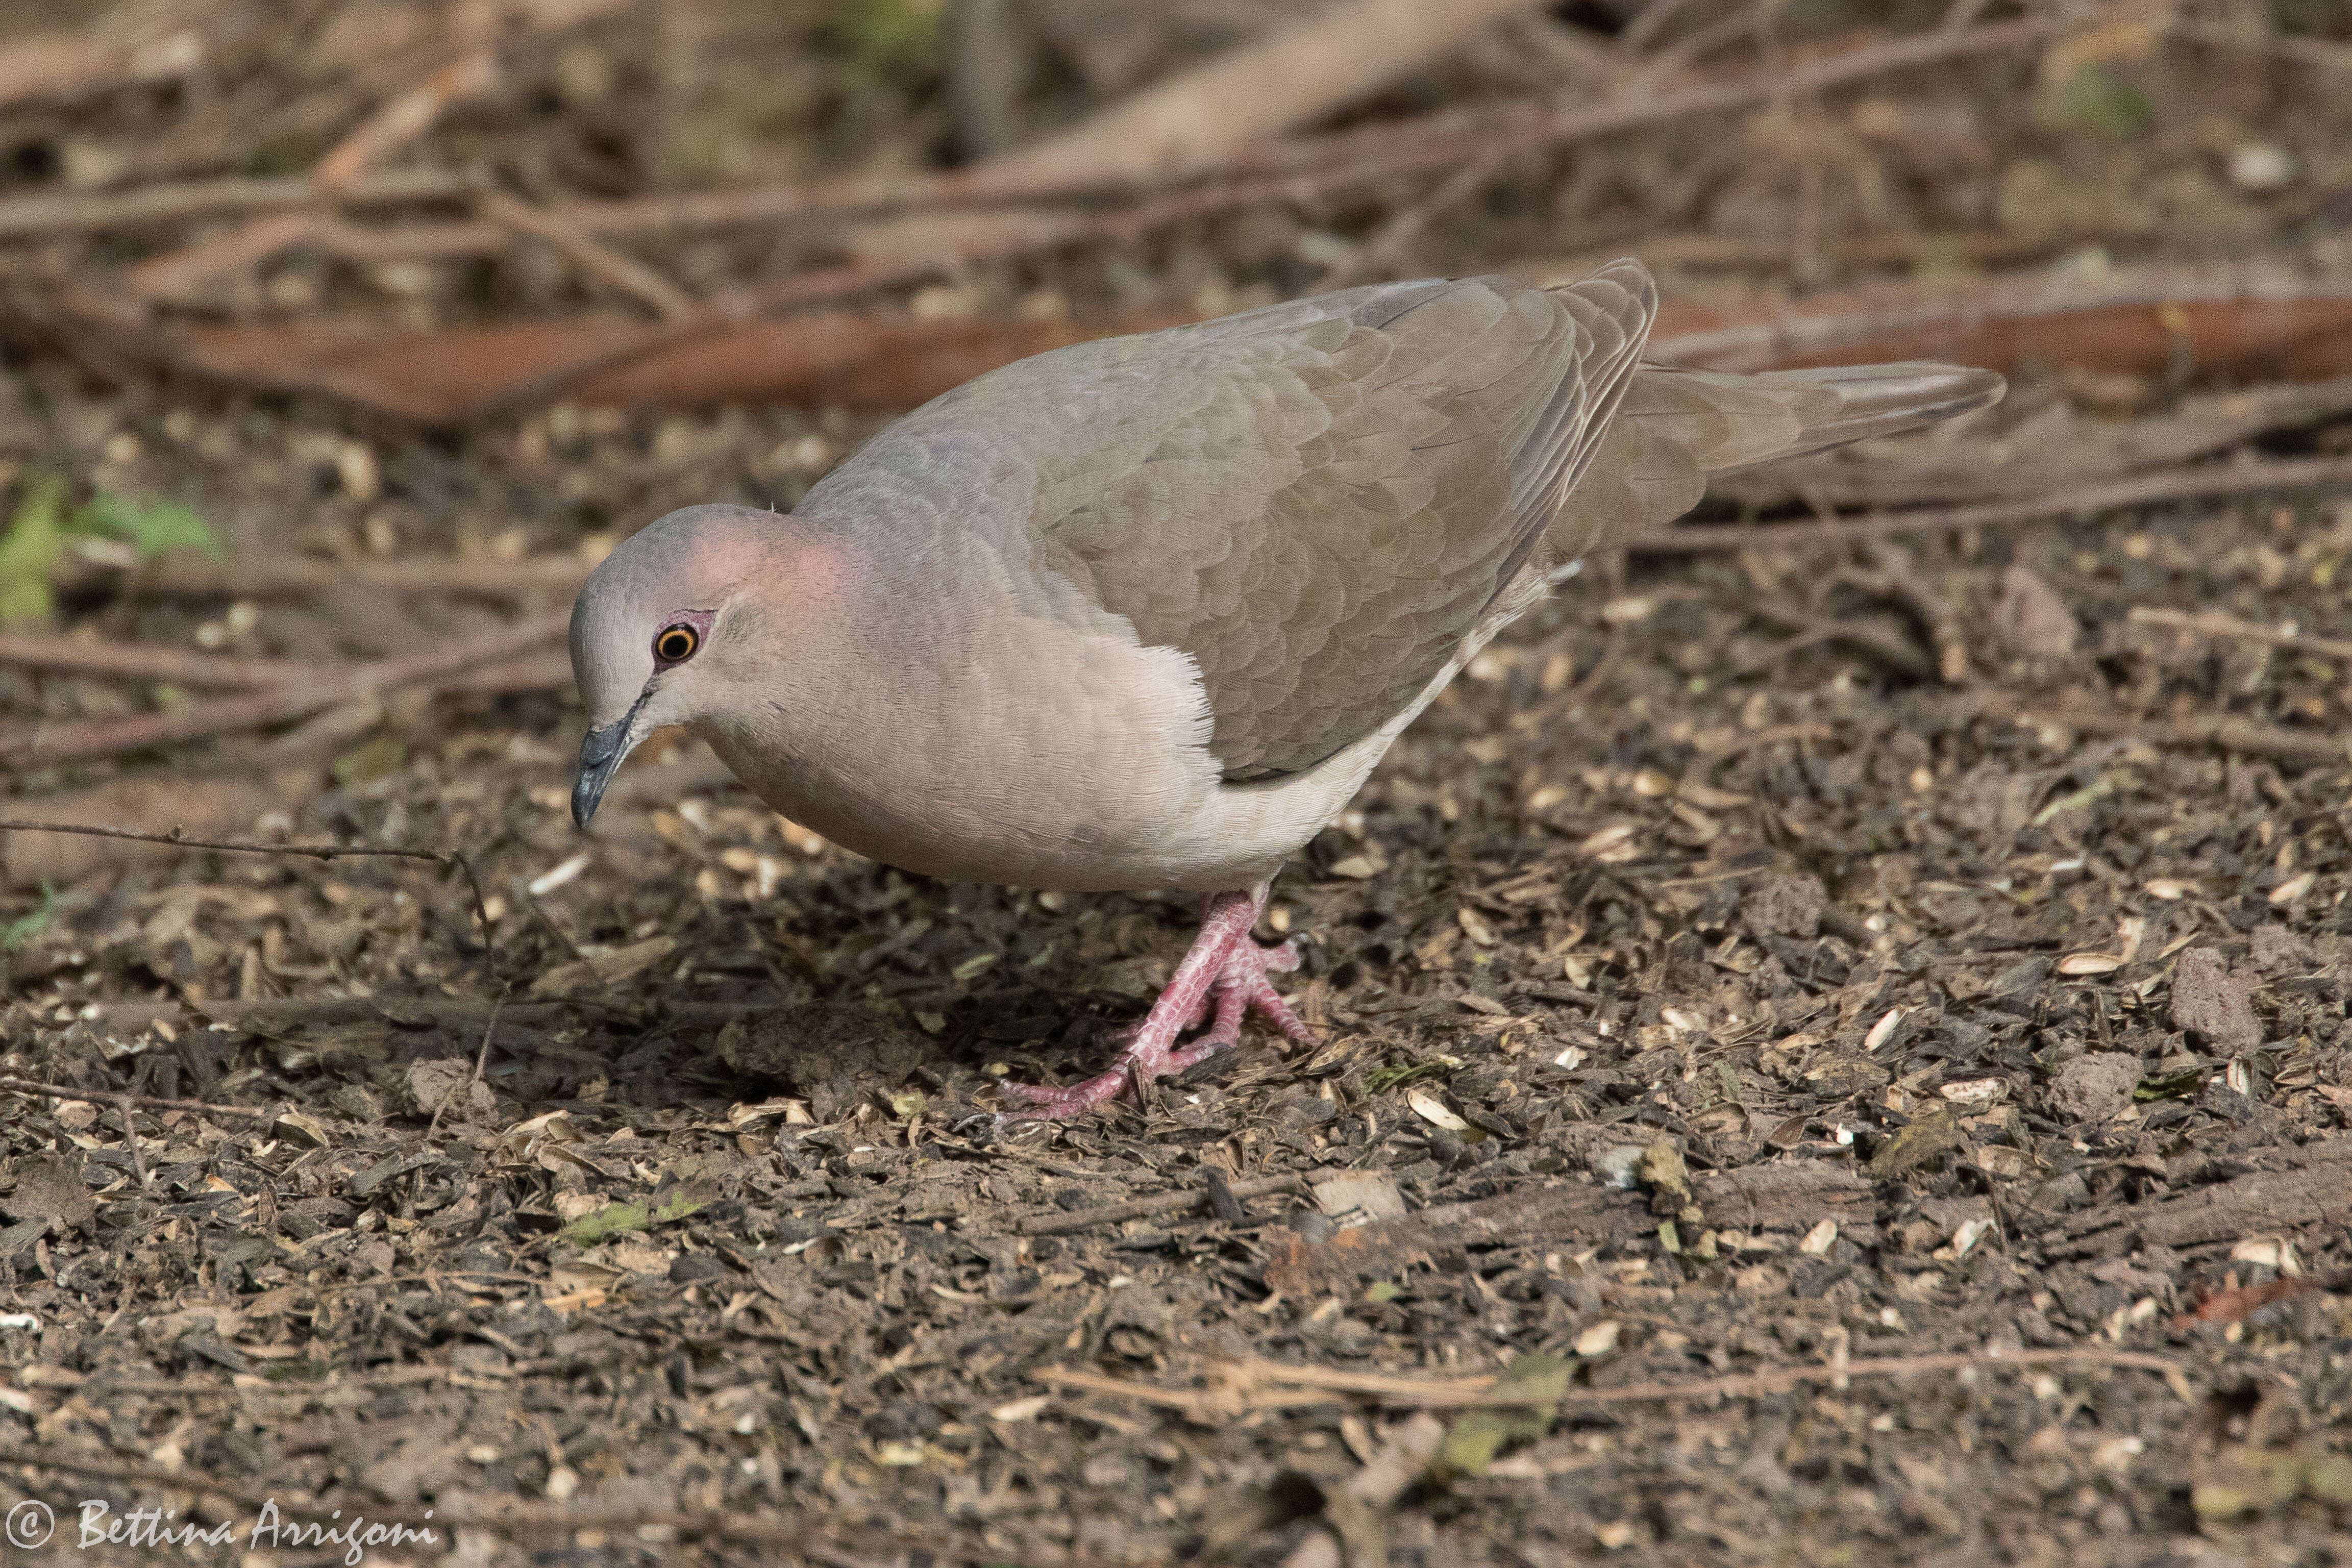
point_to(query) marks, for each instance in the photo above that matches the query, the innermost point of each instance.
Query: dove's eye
(676, 644)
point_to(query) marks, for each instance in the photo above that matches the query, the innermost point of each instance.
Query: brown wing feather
(1337, 489)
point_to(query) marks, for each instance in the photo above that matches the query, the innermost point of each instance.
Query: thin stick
(458, 1013)
(293, 577)
(392, 125)
(1900, 577)
(146, 1101)
(2224, 730)
(1164, 1202)
(2173, 485)
(1322, 1383)
(402, 120)
(93, 212)
(1293, 172)
(590, 254)
(2214, 623)
(1435, 141)
(145, 661)
(285, 703)
(481, 1060)
(252, 847)
(1380, 254)
(131, 1142)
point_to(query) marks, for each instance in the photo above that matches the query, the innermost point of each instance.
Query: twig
(2174, 484)
(590, 254)
(60, 66)
(2214, 623)
(455, 1012)
(1899, 577)
(1295, 73)
(285, 703)
(445, 858)
(1164, 1202)
(481, 1060)
(293, 577)
(131, 1142)
(1380, 254)
(1245, 1385)
(1298, 171)
(403, 120)
(391, 125)
(1439, 141)
(145, 1102)
(178, 272)
(146, 661)
(1871, 636)
(94, 211)
(2226, 731)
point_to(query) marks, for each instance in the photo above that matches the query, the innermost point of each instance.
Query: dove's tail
(1675, 427)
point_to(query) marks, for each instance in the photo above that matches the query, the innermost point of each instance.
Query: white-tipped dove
(1144, 612)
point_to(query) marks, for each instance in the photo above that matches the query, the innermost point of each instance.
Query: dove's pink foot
(1220, 980)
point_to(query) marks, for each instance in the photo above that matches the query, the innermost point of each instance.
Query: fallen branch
(283, 704)
(590, 254)
(448, 858)
(2223, 730)
(90, 211)
(481, 1062)
(1297, 173)
(1240, 1388)
(1248, 175)
(186, 576)
(1898, 577)
(391, 126)
(1306, 170)
(144, 1101)
(451, 1012)
(2214, 623)
(145, 661)
(1295, 73)
(55, 67)
(1144, 1208)
(2176, 485)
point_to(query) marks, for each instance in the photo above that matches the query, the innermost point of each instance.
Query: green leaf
(888, 40)
(621, 1219)
(1381, 1080)
(2170, 1086)
(379, 758)
(24, 928)
(2095, 98)
(152, 527)
(30, 552)
(1471, 1444)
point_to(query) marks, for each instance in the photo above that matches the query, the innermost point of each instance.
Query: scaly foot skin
(1222, 979)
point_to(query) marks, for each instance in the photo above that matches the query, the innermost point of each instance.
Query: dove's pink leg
(1225, 971)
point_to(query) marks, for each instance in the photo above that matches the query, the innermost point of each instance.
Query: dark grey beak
(600, 757)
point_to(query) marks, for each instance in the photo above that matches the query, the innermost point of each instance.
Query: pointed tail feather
(1675, 427)
(1880, 399)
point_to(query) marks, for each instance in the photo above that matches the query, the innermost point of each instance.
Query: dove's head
(710, 613)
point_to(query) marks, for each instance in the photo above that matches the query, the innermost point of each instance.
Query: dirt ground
(1707, 998)
(1851, 1038)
